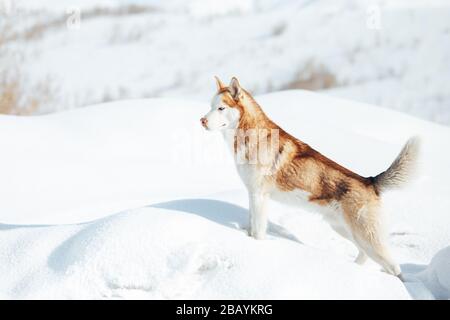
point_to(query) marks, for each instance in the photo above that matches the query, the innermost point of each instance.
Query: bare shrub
(5, 31)
(14, 100)
(121, 36)
(313, 77)
(279, 29)
(38, 29)
(131, 9)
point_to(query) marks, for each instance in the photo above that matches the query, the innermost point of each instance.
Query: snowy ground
(392, 53)
(105, 202)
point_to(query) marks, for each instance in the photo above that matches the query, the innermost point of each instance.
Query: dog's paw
(258, 236)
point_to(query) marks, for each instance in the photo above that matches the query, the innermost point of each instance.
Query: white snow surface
(133, 199)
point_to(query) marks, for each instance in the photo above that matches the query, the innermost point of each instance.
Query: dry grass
(39, 29)
(13, 97)
(17, 97)
(313, 77)
(5, 33)
(14, 100)
(118, 11)
(10, 95)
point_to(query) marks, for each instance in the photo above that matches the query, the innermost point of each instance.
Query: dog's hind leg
(379, 253)
(362, 256)
(343, 231)
(367, 233)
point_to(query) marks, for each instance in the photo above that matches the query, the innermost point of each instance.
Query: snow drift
(133, 199)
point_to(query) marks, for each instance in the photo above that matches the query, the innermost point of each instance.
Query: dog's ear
(235, 88)
(219, 83)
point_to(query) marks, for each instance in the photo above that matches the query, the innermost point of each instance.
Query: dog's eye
(221, 108)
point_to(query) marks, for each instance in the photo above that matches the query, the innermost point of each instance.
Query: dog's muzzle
(204, 122)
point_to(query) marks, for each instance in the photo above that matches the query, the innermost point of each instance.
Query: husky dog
(292, 172)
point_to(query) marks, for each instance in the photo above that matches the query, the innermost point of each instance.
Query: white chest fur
(252, 177)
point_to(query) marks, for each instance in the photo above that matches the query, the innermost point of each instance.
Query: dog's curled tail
(401, 170)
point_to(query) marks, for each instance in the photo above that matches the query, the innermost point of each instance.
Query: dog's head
(226, 108)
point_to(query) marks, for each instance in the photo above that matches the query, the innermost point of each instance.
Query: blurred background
(62, 54)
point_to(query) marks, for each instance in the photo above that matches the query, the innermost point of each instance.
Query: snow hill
(133, 199)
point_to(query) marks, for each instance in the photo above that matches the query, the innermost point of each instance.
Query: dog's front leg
(258, 215)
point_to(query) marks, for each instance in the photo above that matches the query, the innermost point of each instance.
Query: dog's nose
(204, 121)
